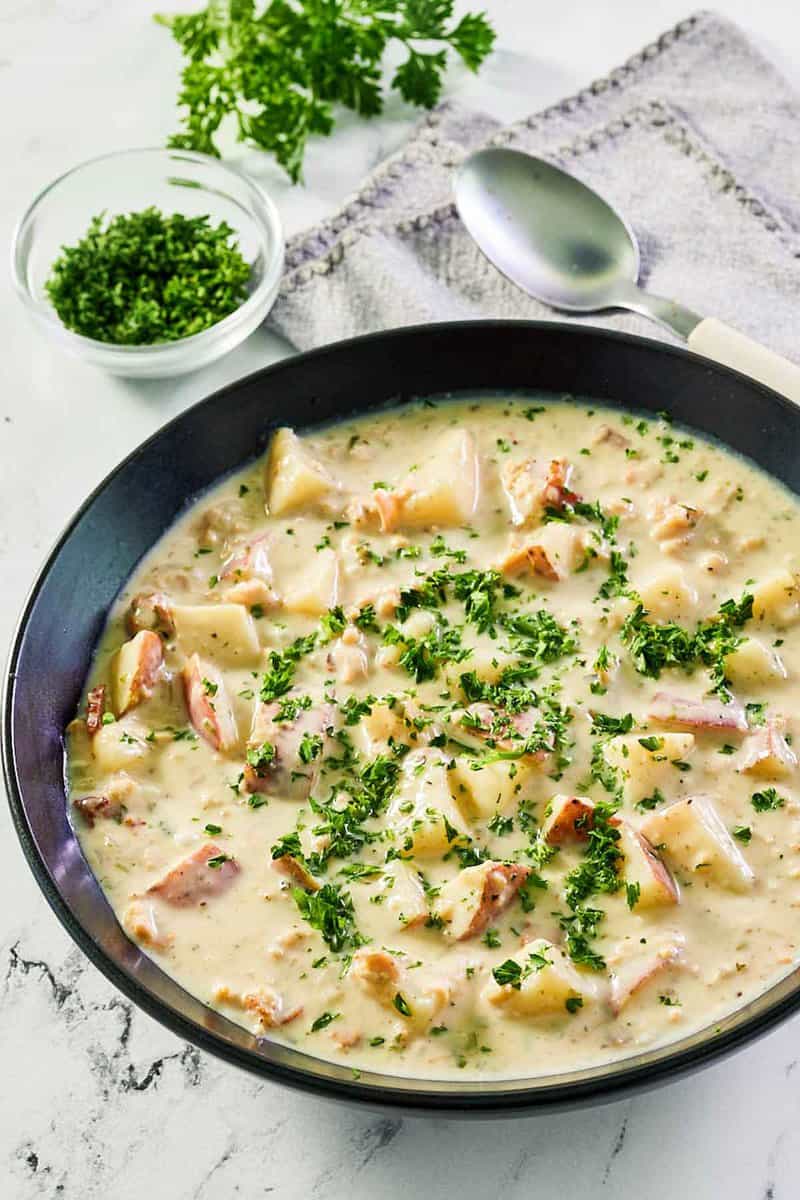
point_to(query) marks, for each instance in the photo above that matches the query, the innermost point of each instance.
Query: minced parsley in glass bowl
(166, 191)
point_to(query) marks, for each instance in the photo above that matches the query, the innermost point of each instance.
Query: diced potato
(643, 771)
(697, 843)
(119, 745)
(405, 895)
(294, 480)
(225, 633)
(315, 589)
(632, 969)
(423, 813)
(207, 700)
(523, 484)
(444, 491)
(567, 819)
(753, 663)
(641, 865)
(134, 670)
(547, 982)
(492, 789)
(776, 601)
(379, 725)
(476, 895)
(668, 597)
(554, 551)
(379, 974)
(485, 661)
(766, 752)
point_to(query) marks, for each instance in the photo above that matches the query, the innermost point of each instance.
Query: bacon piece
(766, 752)
(210, 710)
(673, 525)
(529, 488)
(697, 714)
(264, 1002)
(284, 773)
(95, 708)
(193, 881)
(249, 560)
(150, 610)
(477, 895)
(93, 807)
(139, 922)
(377, 972)
(569, 820)
(557, 492)
(345, 1039)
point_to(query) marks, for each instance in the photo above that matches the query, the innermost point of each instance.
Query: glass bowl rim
(264, 214)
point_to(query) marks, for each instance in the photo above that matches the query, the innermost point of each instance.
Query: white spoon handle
(716, 340)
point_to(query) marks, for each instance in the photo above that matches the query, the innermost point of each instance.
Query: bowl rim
(265, 214)
(496, 1096)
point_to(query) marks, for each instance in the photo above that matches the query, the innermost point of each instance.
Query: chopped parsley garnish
(329, 911)
(323, 1020)
(261, 758)
(310, 747)
(402, 1005)
(217, 860)
(278, 679)
(655, 647)
(422, 657)
(767, 801)
(146, 277)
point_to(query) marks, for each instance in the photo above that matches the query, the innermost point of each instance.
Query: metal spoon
(560, 242)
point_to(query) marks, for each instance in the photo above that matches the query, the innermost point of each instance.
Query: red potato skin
(660, 872)
(572, 823)
(768, 742)
(522, 723)
(501, 885)
(276, 777)
(193, 882)
(250, 561)
(148, 665)
(205, 712)
(619, 995)
(697, 714)
(95, 708)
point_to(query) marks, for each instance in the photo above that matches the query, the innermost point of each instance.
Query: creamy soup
(456, 740)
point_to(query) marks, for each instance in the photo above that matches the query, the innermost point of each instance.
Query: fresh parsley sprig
(277, 71)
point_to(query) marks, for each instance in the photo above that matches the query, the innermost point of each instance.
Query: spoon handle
(726, 345)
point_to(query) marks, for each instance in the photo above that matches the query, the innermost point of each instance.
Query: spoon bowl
(546, 231)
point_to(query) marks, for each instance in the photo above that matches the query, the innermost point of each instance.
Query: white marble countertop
(97, 1100)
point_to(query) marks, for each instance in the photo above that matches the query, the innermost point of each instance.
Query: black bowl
(139, 500)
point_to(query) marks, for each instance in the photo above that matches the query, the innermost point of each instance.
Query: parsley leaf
(277, 71)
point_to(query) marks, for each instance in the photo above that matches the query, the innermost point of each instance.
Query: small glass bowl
(129, 181)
